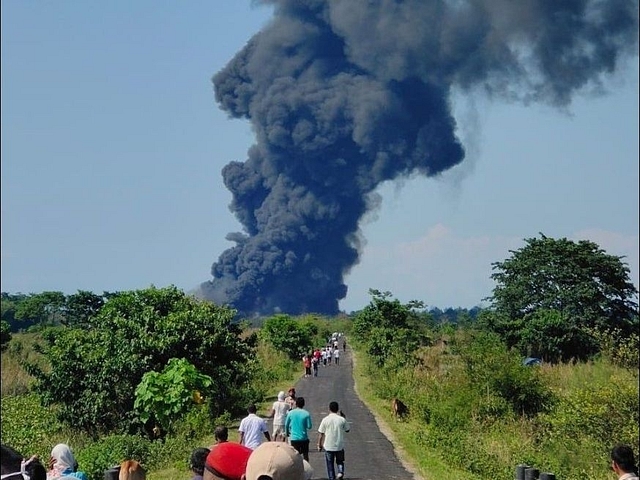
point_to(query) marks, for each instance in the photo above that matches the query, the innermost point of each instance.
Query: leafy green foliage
(110, 451)
(164, 397)
(500, 378)
(289, 335)
(28, 426)
(45, 308)
(557, 289)
(607, 413)
(389, 328)
(94, 373)
(5, 335)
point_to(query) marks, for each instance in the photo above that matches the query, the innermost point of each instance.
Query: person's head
(221, 434)
(226, 461)
(197, 460)
(300, 402)
(622, 459)
(62, 458)
(333, 407)
(277, 461)
(281, 396)
(131, 470)
(252, 408)
(292, 392)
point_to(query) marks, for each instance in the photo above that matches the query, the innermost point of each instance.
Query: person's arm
(241, 438)
(320, 442)
(267, 435)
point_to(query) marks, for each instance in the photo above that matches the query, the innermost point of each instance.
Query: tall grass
(462, 412)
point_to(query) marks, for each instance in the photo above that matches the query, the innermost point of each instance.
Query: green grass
(427, 463)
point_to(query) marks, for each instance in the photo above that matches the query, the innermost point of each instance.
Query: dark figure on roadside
(197, 461)
(623, 462)
(344, 345)
(14, 466)
(399, 409)
(297, 424)
(332, 429)
(252, 428)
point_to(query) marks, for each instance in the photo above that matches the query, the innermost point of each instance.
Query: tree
(288, 335)
(5, 335)
(387, 327)
(94, 372)
(557, 285)
(46, 308)
(81, 306)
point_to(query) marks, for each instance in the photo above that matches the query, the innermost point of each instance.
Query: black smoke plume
(346, 94)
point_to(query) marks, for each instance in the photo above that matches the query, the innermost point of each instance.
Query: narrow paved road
(369, 454)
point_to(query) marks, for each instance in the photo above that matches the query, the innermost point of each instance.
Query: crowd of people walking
(325, 356)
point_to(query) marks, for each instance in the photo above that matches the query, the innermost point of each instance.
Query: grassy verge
(424, 463)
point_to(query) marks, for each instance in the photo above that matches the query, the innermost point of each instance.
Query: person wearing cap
(227, 461)
(623, 462)
(279, 411)
(277, 461)
(252, 428)
(332, 429)
(297, 424)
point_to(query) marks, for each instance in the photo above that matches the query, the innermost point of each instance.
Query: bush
(110, 451)
(95, 372)
(607, 413)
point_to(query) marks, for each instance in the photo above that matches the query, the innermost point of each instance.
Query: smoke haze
(344, 95)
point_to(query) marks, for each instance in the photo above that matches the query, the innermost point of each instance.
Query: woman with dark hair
(623, 462)
(14, 466)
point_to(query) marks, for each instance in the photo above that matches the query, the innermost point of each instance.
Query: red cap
(227, 460)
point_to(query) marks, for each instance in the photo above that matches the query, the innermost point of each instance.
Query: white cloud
(439, 268)
(444, 269)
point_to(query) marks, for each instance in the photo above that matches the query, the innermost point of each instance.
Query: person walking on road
(331, 439)
(279, 411)
(297, 424)
(252, 427)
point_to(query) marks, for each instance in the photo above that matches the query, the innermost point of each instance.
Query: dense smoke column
(346, 94)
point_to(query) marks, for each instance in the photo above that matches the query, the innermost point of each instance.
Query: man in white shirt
(332, 429)
(252, 427)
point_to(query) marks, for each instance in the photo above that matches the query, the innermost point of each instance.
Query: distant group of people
(327, 355)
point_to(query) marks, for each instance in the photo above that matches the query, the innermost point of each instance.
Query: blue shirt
(297, 423)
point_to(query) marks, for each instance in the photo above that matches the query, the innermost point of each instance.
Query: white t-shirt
(253, 428)
(333, 426)
(280, 410)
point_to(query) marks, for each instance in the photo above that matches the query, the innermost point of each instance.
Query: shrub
(607, 413)
(111, 450)
(95, 372)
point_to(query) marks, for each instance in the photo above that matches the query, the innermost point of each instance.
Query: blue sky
(112, 148)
